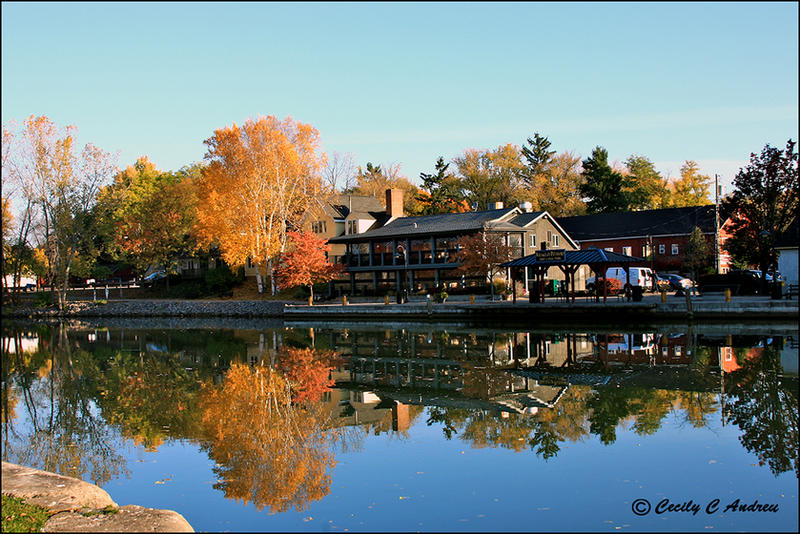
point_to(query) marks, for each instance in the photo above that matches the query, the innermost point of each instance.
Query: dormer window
(352, 227)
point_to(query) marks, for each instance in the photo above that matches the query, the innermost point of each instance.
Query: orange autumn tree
(481, 254)
(268, 449)
(262, 178)
(308, 372)
(306, 263)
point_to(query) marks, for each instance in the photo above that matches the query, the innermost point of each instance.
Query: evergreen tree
(537, 158)
(605, 190)
(444, 191)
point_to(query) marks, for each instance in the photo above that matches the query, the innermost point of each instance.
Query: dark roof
(577, 257)
(445, 223)
(526, 218)
(790, 237)
(342, 205)
(668, 221)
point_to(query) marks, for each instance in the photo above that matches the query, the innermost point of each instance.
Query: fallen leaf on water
(712, 461)
(308, 519)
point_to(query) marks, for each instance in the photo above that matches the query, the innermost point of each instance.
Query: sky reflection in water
(413, 429)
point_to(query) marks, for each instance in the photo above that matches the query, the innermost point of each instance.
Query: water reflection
(272, 408)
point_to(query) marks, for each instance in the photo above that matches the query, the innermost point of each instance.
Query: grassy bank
(21, 517)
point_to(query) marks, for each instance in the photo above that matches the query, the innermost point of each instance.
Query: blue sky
(407, 82)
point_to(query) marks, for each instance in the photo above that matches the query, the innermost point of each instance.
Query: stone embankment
(153, 308)
(79, 506)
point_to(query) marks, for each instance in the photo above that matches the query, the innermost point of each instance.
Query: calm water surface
(257, 426)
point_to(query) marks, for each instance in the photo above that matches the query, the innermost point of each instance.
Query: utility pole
(716, 223)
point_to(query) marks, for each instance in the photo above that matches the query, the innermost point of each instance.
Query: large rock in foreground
(130, 518)
(54, 492)
(83, 507)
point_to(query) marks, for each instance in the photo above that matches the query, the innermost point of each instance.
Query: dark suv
(739, 282)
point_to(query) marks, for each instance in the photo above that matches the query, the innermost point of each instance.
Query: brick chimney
(394, 202)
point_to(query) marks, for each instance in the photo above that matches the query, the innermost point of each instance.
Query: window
(352, 227)
(319, 227)
(645, 252)
(674, 249)
(549, 236)
(627, 251)
(665, 351)
(677, 350)
(533, 241)
(662, 249)
(609, 249)
(555, 240)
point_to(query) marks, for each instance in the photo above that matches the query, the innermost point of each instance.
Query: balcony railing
(381, 259)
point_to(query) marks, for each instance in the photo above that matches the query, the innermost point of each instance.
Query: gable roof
(342, 205)
(789, 238)
(445, 223)
(668, 221)
(586, 256)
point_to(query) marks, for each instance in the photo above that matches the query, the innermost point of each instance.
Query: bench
(791, 291)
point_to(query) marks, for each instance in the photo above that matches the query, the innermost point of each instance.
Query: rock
(84, 507)
(54, 492)
(130, 518)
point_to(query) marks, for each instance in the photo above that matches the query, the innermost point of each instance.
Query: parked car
(151, 278)
(676, 281)
(739, 282)
(639, 276)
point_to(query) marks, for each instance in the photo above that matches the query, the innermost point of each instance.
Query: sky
(405, 83)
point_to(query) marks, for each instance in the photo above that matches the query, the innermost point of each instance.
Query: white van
(640, 276)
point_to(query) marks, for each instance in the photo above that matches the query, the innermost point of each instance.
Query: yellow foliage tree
(692, 188)
(270, 450)
(262, 178)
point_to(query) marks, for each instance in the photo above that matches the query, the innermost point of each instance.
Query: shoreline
(651, 309)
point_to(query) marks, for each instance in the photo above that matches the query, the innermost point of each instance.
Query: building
(351, 214)
(658, 235)
(786, 245)
(419, 253)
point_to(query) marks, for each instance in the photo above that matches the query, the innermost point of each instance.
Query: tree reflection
(133, 396)
(63, 431)
(761, 404)
(268, 449)
(308, 372)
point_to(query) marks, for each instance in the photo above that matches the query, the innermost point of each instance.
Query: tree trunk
(259, 282)
(311, 297)
(273, 287)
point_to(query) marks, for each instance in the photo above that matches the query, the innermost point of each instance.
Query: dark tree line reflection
(272, 408)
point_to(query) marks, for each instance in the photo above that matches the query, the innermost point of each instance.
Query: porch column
(526, 279)
(371, 252)
(352, 283)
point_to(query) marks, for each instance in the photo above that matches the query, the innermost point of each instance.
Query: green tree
(651, 188)
(693, 188)
(152, 214)
(605, 189)
(441, 191)
(490, 175)
(697, 255)
(762, 205)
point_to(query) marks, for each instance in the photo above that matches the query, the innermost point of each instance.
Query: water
(254, 426)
